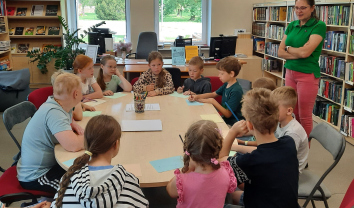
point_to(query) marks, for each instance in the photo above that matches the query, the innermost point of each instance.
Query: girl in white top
(110, 78)
(83, 67)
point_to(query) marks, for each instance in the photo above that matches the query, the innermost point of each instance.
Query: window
(185, 18)
(86, 13)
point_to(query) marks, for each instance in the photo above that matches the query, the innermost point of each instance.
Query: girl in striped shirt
(95, 182)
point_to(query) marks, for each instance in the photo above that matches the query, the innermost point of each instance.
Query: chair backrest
(147, 42)
(176, 76)
(39, 96)
(215, 84)
(348, 200)
(17, 114)
(245, 84)
(134, 80)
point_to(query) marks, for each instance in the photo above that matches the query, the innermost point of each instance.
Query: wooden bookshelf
(5, 56)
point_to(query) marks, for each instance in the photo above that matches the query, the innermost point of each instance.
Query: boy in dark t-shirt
(270, 172)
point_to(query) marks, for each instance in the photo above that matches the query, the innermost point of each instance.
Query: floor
(319, 160)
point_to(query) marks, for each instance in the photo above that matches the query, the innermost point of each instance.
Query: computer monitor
(101, 30)
(96, 38)
(222, 46)
(183, 42)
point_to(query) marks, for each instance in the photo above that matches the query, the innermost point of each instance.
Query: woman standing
(301, 47)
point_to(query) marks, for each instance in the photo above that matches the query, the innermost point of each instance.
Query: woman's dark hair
(100, 80)
(101, 133)
(311, 3)
(203, 142)
(156, 55)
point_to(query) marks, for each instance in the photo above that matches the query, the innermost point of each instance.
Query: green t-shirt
(113, 84)
(297, 37)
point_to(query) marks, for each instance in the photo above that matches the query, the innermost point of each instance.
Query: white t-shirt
(87, 86)
(298, 133)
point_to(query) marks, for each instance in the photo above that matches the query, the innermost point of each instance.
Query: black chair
(176, 76)
(310, 185)
(147, 42)
(245, 84)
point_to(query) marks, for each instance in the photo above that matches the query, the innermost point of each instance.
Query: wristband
(246, 143)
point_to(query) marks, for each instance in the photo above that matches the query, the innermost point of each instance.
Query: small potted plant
(123, 48)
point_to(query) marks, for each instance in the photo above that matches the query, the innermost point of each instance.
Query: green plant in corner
(64, 56)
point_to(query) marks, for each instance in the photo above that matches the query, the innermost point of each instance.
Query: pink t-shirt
(205, 190)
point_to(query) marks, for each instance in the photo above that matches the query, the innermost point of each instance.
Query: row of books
(2, 7)
(260, 13)
(326, 111)
(332, 65)
(333, 15)
(40, 30)
(258, 44)
(349, 98)
(351, 43)
(291, 14)
(275, 32)
(346, 125)
(36, 10)
(336, 41)
(259, 28)
(349, 71)
(271, 64)
(272, 49)
(24, 47)
(277, 13)
(4, 63)
(4, 45)
(330, 89)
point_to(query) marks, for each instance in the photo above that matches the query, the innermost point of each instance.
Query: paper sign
(116, 95)
(133, 168)
(141, 125)
(191, 51)
(167, 164)
(212, 117)
(176, 94)
(194, 103)
(91, 113)
(178, 56)
(95, 102)
(148, 107)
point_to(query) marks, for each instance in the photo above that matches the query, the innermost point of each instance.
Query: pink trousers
(306, 86)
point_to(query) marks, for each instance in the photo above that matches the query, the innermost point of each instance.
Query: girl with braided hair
(204, 181)
(92, 181)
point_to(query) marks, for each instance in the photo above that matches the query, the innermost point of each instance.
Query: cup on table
(139, 105)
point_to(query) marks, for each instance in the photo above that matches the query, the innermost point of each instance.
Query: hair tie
(88, 153)
(214, 161)
(187, 153)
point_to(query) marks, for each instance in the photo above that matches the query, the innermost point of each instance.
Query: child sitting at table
(231, 91)
(204, 182)
(92, 181)
(83, 67)
(110, 78)
(197, 83)
(156, 80)
(77, 112)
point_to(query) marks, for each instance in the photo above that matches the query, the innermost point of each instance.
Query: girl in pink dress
(204, 181)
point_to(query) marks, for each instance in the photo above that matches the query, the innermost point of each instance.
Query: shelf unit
(4, 36)
(278, 77)
(20, 60)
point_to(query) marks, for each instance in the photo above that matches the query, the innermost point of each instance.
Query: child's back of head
(264, 82)
(261, 110)
(229, 64)
(65, 83)
(197, 61)
(285, 95)
(55, 74)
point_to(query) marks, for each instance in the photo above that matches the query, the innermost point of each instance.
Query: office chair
(176, 76)
(134, 80)
(147, 42)
(11, 189)
(310, 185)
(39, 96)
(245, 84)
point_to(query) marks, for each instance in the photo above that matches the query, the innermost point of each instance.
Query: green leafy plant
(64, 56)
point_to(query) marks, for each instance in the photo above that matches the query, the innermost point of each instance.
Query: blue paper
(69, 162)
(178, 55)
(176, 94)
(167, 164)
(194, 103)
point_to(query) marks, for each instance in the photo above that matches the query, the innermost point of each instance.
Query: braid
(78, 164)
(161, 81)
(186, 159)
(100, 80)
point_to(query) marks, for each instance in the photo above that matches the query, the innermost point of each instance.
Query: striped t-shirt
(108, 186)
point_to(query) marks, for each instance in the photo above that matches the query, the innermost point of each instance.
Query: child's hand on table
(77, 128)
(150, 87)
(193, 98)
(189, 93)
(87, 107)
(151, 94)
(180, 89)
(108, 93)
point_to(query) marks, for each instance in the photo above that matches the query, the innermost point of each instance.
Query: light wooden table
(142, 147)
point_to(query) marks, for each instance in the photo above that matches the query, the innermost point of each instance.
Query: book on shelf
(45, 47)
(272, 49)
(13, 47)
(272, 65)
(5, 45)
(21, 11)
(349, 98)
(36, 49)
(347, 124)
(277, 13)
(275, 32)
(336, 41)
(326, 110)
(349, 71)
(19, 30)
(332, 65)
(3, 11)
(259, 28)
(23, 48)
(4, 63)
(261, 13)
(2, 29)
(333, 14)
(11, 11)
(11, 31)
(351, 43)
(2, 20)
(37, 10)
(52, 10)
(29, 31)
(40, 30)
(259, 44)
(291, 14)
(53, 30)
(330, 89)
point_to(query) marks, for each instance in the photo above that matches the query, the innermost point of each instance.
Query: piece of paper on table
(167, 164)
(232, 153)
(176, 94)
(96, 102)
(141, 125)
(91, 113)
(148, 107)
(116, 95)
(194, 103)
(69, 162)
(142, 62)
(212, 117)
(133, 168)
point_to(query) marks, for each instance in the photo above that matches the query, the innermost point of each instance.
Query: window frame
(205, 22)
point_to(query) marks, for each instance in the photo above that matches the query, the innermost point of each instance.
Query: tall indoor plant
(64, 56)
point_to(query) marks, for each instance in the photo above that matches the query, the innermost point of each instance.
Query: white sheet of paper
(148, 107)
(96, 102)
(141, 125)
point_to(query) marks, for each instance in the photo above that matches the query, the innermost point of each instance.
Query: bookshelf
(5, 52)
(336, 71)
(33, 35)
